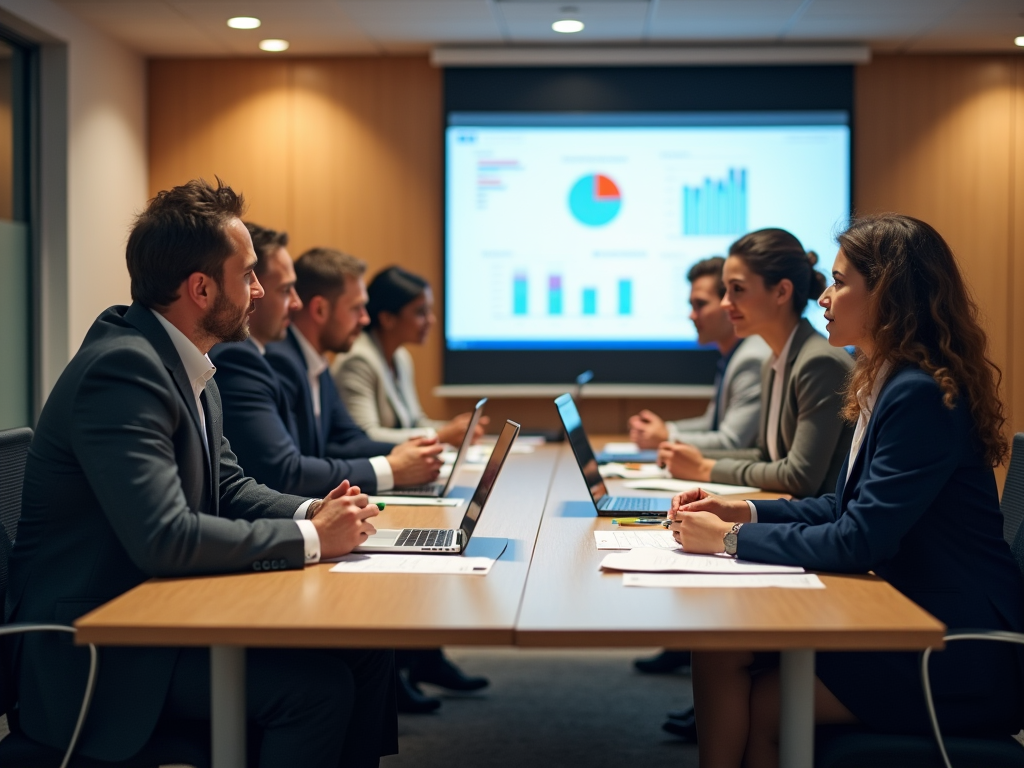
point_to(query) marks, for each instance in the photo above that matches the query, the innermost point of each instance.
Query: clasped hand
(700, 520)
(685, 462)
(342, 520)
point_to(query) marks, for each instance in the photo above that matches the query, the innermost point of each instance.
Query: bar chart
(555, 295)
(718, 206)
(520, 294)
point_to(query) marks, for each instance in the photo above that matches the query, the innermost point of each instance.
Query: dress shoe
(664, 663)
(684, 726)
(411, 700)
(437, 670)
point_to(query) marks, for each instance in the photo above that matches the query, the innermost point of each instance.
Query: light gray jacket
(739, 404)
(813, 438)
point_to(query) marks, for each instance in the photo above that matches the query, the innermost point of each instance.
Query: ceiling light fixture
(568, 26)
(244, 22)
(1019, 41)
(274, 46)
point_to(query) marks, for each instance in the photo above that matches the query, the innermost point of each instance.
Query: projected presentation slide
(576, 232)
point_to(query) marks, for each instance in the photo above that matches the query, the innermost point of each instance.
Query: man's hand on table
(342, 520)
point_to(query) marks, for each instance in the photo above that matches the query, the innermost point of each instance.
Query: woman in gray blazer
(802, 440)
(376, 379)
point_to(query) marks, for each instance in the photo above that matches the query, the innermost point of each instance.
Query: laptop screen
(483, 488)
(581, 446)
(467, 440)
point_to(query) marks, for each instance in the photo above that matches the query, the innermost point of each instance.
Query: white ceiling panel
(426, 22)
(870, 19)
(608, 20)
(722, 19)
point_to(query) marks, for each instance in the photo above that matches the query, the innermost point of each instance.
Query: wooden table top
(545, 591)
(313, 607)
(570, 602)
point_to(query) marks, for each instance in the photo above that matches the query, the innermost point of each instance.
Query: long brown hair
(925, 316)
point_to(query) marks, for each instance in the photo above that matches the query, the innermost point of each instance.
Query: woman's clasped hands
(700, 520)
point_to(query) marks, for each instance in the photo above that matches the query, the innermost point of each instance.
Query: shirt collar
(779, 363)
(262, 349)
(198, 367)
(315, 362)
(868, 404)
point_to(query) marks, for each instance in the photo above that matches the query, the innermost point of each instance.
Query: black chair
(187, 743)
(854, 747)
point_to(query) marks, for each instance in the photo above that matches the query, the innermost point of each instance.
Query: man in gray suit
(129, 477)
(731, 419)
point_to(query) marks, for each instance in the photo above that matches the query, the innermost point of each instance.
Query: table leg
(796, 726)
(227, 705)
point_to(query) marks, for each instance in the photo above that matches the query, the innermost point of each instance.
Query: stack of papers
(393, 563)
(678, 486)
(631, 538)
(652, 560)
(633, 471)
(416, 501)
(733, 581)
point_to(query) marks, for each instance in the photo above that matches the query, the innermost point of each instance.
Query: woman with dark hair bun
(915, 502)
(376, 378)
(769, 279)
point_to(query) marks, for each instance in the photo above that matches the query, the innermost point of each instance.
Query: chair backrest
(13, 455)
(1012, 504)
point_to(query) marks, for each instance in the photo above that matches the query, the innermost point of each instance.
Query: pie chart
(595, 200)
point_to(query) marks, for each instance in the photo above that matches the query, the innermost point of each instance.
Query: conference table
(545, 591)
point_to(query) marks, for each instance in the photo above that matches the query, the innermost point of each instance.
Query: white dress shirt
(775, 402)
(200, 370)
(316, 364)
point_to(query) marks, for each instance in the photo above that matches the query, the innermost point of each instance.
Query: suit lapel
(308, 414)
(214, 433)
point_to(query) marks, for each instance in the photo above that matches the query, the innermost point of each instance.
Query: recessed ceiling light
(275, 46)
(568, 26)
(1019, 41)
(244, 22)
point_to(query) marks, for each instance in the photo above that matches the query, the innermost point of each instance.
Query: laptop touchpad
(384, 537)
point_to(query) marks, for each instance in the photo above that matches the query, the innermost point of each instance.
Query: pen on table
(636, 521)
(381, 505)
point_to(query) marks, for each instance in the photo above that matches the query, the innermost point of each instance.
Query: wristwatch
(731, 539)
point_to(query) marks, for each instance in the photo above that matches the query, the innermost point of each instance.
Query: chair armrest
(21, 628)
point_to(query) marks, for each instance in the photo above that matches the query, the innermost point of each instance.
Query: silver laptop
(448, 541)
(640, 506)
(438, 490)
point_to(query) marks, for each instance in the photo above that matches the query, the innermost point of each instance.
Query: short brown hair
(710, 267)
(325, 272)
(266, 243)
(777, 255)
(182, 231)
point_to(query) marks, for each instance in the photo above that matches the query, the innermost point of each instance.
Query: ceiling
(315, 27)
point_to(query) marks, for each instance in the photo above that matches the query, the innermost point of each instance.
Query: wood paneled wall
(348, 152)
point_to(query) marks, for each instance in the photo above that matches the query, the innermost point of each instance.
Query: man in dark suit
(331, 315)
(129, 477)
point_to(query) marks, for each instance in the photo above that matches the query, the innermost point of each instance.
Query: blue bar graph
(519, 294)
(625, 297)
(590, 301)
(717, 207)
(555, 295)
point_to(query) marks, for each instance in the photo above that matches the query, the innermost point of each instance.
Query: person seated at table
(129, 477)
(916, 502)
(262, 424)
(330, 316)
(802, 439)
(732, 415)
(376, 378)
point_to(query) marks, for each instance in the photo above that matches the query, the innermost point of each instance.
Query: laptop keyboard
(634, 503)
(425, 537)
(431, 489)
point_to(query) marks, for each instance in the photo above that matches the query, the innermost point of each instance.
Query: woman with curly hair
(916, 503)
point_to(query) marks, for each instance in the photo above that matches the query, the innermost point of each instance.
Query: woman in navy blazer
(916, 502)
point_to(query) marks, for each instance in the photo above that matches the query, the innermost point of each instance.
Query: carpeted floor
(550, 708)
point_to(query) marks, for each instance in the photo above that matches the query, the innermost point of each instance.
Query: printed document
(652, 560)
(678, 486)
(631, 538)
(390, 563)
(708, 580)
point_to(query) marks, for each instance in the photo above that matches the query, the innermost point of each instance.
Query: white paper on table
(735, 580)
(615, 469)
(621, 448)
(397, 563)
(630, 538)
(416, 501)
(651, 560)
(678, 486)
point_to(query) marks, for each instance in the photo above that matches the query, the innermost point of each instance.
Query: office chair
(852, 747)
(172, 743)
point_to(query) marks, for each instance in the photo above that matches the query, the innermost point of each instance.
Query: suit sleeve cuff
(310, 539)
(382, 469)
(753, 511)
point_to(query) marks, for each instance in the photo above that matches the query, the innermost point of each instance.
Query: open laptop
(439, 490)
(448, 541)
(639, 506)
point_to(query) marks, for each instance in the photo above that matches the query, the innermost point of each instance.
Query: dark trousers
(315, 708)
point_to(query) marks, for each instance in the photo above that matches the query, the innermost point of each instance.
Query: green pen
(636, 521)
(381, 505)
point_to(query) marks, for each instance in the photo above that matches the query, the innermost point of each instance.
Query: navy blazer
(338, 436)
(921, 510)
(264, 432)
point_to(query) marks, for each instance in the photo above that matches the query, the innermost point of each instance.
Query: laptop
(438, 490)
(447, 541)
(639, 506)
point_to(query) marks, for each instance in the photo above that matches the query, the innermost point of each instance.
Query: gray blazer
(119, 489)
(813, 437)
(739, 404)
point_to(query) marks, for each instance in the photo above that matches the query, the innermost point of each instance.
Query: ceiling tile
(424, 21)
(609, 20)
